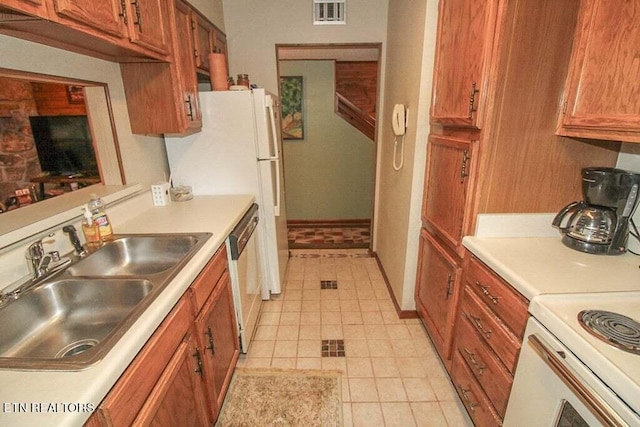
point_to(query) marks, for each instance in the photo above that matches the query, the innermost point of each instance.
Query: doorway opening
(329, 99)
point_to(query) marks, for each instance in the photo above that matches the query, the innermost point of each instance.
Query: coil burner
(616, 329)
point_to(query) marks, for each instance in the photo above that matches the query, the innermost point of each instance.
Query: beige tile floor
(391, 373)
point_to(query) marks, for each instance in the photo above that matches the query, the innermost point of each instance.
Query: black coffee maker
(599, 224)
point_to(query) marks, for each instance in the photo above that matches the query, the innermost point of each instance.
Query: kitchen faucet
(45, 262)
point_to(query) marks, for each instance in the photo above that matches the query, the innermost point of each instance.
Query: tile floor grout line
(397, 352)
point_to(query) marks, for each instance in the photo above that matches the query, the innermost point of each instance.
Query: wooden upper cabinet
(31, 7)
(219, 42)
(183, 54)
(463, 51)
(148, 24)
(106, 16)
(203, 34)
(450, 175)
(602, 93)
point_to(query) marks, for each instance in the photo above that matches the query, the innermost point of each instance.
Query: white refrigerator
(239, 151)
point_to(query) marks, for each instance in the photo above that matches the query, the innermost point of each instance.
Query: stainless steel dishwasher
(244, 269)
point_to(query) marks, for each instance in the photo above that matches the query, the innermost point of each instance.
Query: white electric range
(568, 376)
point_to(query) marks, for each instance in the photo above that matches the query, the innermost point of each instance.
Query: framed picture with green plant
(292, 114)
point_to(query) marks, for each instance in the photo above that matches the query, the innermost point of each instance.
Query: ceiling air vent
(327, 12)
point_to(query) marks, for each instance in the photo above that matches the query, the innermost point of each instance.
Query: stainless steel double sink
(71, 320)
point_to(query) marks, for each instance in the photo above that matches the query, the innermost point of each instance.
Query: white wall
(253, 28)
(329, 174)
(410, 51)
(212, 9)
(407, 30)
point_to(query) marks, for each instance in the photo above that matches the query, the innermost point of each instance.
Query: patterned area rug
(329, 236)
(270, 397)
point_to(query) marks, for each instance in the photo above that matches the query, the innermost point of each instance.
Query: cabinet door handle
(189, 107)
(465, 396)
(464, 168)
(472, 100)
(123, 11)
(472, 359)
(478, 324)
(211, 345)
(449, 286)
(198, 370)
(138, 21)
(485, 291)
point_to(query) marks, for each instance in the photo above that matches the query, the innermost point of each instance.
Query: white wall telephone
(399, 124)
(398, 120)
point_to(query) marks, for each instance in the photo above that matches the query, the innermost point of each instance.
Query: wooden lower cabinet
(488, 337)
(182, 373)
(437, 290)
(218, 337)
(472, 395)
(178, 397)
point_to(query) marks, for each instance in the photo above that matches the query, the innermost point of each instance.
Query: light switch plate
(160, 194)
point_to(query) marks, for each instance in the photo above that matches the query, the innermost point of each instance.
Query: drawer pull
(465, 396)
(478, 324)
(472, 359)
(485, 291)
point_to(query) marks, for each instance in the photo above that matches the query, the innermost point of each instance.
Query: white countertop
(57, 398)
(544, 265)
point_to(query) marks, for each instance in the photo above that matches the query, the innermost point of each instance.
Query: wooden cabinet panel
(90, 27)
(183, 50)
(502, 299)
(128, 396)
(162, 98)
(31, 7)
(218, 335)
(178, 398)
(463, 51)
(208, 278)
(473, 397)
(220, 43)
(106, 16)
(449, 181)
(484, 365)
(149, 24)
(504, 344)
(203, 35)
(603, 88)
(437, 291)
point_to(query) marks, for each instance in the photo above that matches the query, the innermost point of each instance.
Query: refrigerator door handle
(276, 157)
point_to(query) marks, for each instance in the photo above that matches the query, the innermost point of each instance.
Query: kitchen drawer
(494, 379)
(492, 331)
(500, 297)
(206, 281)
(125, 400)
(473, 398)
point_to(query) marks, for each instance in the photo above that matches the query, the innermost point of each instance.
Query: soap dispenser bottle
(91, 231)
(99, 216)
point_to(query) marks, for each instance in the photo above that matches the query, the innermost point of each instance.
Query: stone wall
(18, 155)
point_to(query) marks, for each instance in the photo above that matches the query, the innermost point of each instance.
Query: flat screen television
(64, 145)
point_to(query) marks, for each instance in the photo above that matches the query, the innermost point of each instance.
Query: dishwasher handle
(241, 234)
